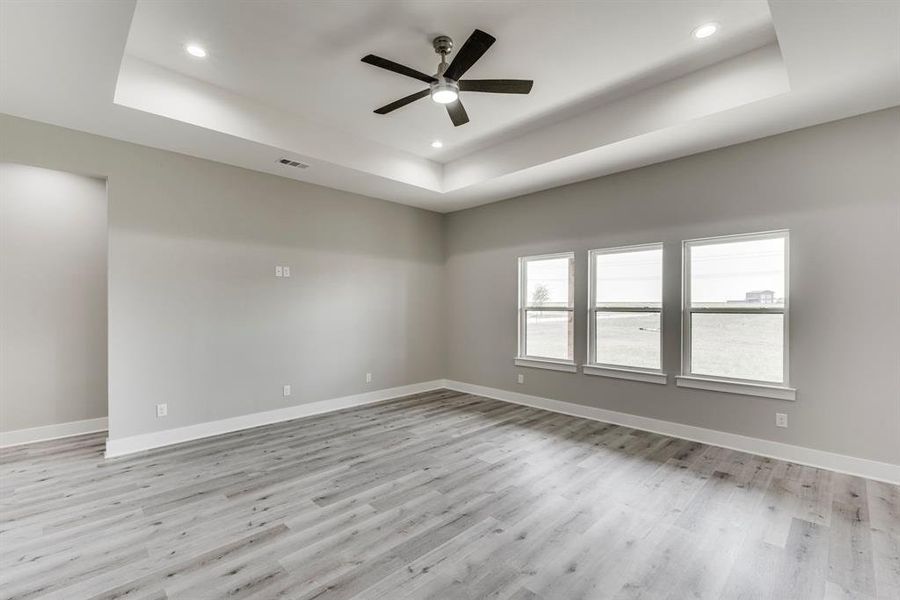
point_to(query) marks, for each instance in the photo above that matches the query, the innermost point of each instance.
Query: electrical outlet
(521, 378)
(286, 391)
(285, 271)
(368, 378)
(781, 420)
(279, 272)
(162, 410)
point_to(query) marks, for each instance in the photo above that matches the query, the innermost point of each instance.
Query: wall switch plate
(781, 420)
(285, 271)
(521, 378)
(162, 410)
(286, 391)
(368, 378)
(279, 271)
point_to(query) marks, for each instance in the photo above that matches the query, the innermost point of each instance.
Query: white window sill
(779, 392)
(546, 363)
(625, 373)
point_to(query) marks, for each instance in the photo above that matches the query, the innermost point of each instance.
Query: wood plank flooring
(439, 495)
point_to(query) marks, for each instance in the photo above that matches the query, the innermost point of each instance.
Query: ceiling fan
(445, 85)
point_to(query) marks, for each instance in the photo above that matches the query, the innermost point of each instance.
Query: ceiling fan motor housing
(443, 45)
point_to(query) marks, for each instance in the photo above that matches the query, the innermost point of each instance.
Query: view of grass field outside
(549, 285)
(628, 279)
(734, 274)
(738, 274)
(740, 346)
(628, 339)
(548, 334)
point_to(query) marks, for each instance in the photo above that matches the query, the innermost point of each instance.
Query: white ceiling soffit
(617, 85)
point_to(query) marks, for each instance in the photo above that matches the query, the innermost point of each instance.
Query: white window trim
(591, 367)
(546, 363)
(778, 392)
(626, 373)
(768, 389)
(541, 362)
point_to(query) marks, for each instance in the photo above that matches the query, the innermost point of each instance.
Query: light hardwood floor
(440, 495)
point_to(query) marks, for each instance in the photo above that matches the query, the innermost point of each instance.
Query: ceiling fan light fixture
(444, 92)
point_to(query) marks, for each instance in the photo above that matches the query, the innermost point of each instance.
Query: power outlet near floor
(162, 410)
(521, 378)
(286, 391)
(368, 378)
(781, 420)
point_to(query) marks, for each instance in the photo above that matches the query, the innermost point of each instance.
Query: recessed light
(437, 144)
(196, 50)
(705, 30)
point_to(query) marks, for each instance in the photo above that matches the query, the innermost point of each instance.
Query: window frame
(526, 360)
(779, 390)
(592, 366)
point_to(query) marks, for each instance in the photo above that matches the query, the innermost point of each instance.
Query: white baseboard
(52, 432)
(798, 454)
(158, 439)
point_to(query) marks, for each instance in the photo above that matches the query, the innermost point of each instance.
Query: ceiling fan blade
(471, 51)
(397, 68)
(496, 86)
(402, 102)
(457, 113)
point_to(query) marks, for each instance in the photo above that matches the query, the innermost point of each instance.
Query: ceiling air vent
(292, 163)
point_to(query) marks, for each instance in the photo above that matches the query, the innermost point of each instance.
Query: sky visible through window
(726, 273)
(720, 274)
(552, 275)
(629, 278)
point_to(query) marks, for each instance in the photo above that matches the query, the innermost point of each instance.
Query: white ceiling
(617, 84)
(304, 58)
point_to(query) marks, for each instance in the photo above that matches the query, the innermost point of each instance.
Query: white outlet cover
(286, 390)
(368, 378)
(286, 271)
(521, 378)
(162, 410)
(781, 419)
(278, 272)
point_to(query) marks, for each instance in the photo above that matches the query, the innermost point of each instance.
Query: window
(625, 313)
(546, 311)
(735, 314)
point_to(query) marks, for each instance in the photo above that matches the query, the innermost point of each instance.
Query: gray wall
(197, 318)
(835, 186)
(52, 297)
